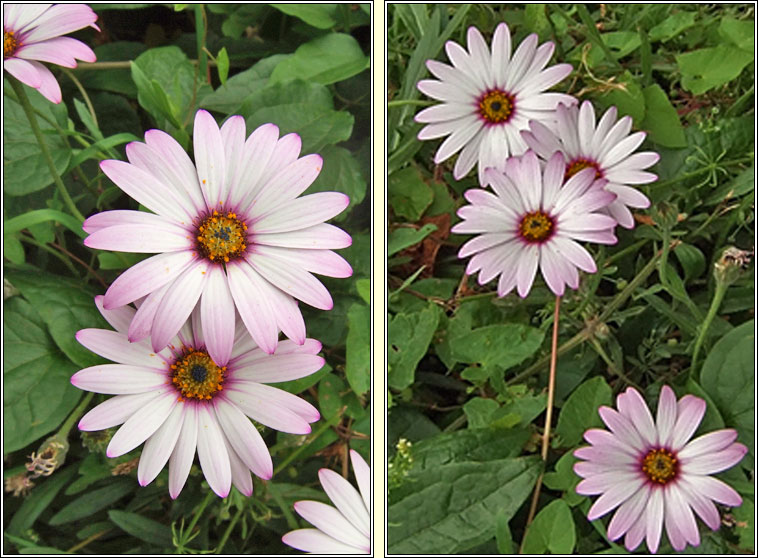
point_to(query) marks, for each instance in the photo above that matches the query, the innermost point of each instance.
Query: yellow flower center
(221, 237)
(660, 465)
(196, 376)
(536, 226)
(10, 44)
(580, 164)
(496, 106)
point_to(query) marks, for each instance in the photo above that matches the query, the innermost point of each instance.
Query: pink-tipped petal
(251, 294)
(140, 426)
(217, 311)
(243, 437)
(209, 158)
(117, 379)
(181, 459)
(347, 500)
(159, 446)
(211, 451)
(115, 411)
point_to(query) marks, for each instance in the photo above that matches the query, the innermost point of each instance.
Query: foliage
(303, 67)
(464, 362)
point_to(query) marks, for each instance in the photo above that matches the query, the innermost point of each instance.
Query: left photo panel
(187, 278)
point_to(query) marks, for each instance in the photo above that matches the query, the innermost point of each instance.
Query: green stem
(704, 170)
(75, 414)
(276, 495)
(229, 530)
(594, 36)
(81, 89)
(323, 428)
(199, 513)
(611, 366)
(718, 296)
(29, 110)
(200, 31)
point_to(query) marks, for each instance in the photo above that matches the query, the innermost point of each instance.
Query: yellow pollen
(196, 376)
(660, 465)
(10, 44)
(536, 226)
(580, 164)
(496, 106)
(221, 237)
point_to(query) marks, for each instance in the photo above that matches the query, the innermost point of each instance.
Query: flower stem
(277, 496)
(29, 110)
(718, 296)
(229, 530)
(83, 91)
(548, 418)
(200, 510)
(323, 428)
(75, 414)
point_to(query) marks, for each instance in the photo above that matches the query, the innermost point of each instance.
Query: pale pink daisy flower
(345, 529)
(533, 220)
(653, 473)
(488, 97)
(32, 34)
(180, 400)
(608, 148)
(229, 230)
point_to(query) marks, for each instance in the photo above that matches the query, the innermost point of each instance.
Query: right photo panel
(571, 287)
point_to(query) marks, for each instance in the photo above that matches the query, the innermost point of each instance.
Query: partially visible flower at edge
(228, 230)
(179, 400)
(533, 220)
(653, 473)
(345, 529)
(488, 97)
(607, 148)
(32, 34)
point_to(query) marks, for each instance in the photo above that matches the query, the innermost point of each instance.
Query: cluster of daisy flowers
(196, 326)
(552, 175)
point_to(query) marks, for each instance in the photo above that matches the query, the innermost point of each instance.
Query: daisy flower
(488, 97)
(533, 220)
(653, 473)
(32, 34)
(608, 148)
(180, 400)
(228, 230)
(345, 529)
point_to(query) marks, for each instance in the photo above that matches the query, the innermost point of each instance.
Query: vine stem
(548, 418)
(29, 111)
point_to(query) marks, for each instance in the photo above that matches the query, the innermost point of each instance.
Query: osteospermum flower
(32, 34)
(608, 148)
(229, 230)
(532, 221)
(345, 529)
(488, 97)
(653, 473)
(180, 400)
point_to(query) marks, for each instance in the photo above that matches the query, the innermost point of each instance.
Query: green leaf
(479, 410)
(117, 80)
(358, 348)
(142, 528)
(404, 237)
(692, 260)
(329, 395)
(479, 444)
(222, 63)
(501, 346)
(341, 173)
(661, 119)
(363, 286)
(627, 96)
(326, 59)
(672, 26)
(536, 19)
(564, 479)
(95, 149)
(742, 184)
(25, 169)
(92, 502)
(741, 33)
(320, 16)
(118, 260)
(66, 306)
(728, 375)
(704, 69)
(38, 394)
(13, 249)
(452, 508)
(551, 531)
(408, 194)
(503, 534)
(42, 216)
(745, 527)
(38, 501)
(580, 410)
(228, 98)
(409, 338)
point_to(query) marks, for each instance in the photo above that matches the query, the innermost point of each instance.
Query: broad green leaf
(409, 337)
(692, 260)
(13, 249)
(358, 348)
(92, 502)
(408, 194)
(503, 534)
(551, 531)
(661, 119)
(39, 500)
(37, 394)
(228, 98)
(66, 306)
(728, 375)
(451, 508)
(330, 389)
(704, 69)
(408, 423)
(320, 16)
(626, 95)
(25, 170)
(479, 410)
(745, 524)
(580, 410)
(564, 479)
(672, 26)
(341, 173)
(536, 19)
(501, 346)
(363, 286)
(326, 59)
(142, 528)
(404, 237)
(740, 33)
